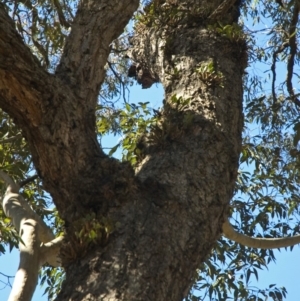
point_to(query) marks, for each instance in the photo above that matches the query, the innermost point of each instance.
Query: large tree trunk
(167, 215)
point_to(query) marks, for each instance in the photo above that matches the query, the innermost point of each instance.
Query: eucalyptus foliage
(266, 201)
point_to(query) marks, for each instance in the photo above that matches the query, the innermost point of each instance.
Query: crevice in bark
(57, 116)
(187, 177)
(168, 215)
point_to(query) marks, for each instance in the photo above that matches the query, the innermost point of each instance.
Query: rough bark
(57, 112)
(168, 214)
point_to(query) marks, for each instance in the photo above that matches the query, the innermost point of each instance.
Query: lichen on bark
(168, 214)
(185, 182)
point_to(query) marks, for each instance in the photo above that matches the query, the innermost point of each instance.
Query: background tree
(139, 231)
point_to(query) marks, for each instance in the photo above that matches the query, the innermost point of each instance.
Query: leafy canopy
(266, 200)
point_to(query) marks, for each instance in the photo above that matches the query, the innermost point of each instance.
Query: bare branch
(17, 209)
(38, 244)
(33, 231)
(10, 139)
(28, 180)
(262, 243)
(8, 280)
(27, 275)
(110, 65)
(61, 15)
(50, 252)
(273, 68)
(293, 53)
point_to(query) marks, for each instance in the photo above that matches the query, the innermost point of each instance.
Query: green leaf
(113, 149)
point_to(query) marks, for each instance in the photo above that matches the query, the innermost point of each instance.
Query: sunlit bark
(37, 246)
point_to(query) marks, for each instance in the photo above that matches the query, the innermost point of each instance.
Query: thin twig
(114, 50)
(221, 10)
(119, 78)
(61, 16)
(10, 139)
(293, 52)
(28, 180)
(273, 69)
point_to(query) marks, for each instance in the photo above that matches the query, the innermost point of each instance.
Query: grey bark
(167, 214)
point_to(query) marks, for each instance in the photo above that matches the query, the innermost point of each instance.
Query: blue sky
(9, 262)
(283, 273)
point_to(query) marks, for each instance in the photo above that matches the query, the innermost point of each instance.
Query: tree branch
(262, 243)
(61, 15)
(28, 180)
(57, 113)
(8, 280)
(50, 252)
(293, 53)
(119, 78)
(273, 69)
(18, 68)
(17, 209)
(27, 275)
(96, 25)
(33, 231)
(43, 107)
(11, 139)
